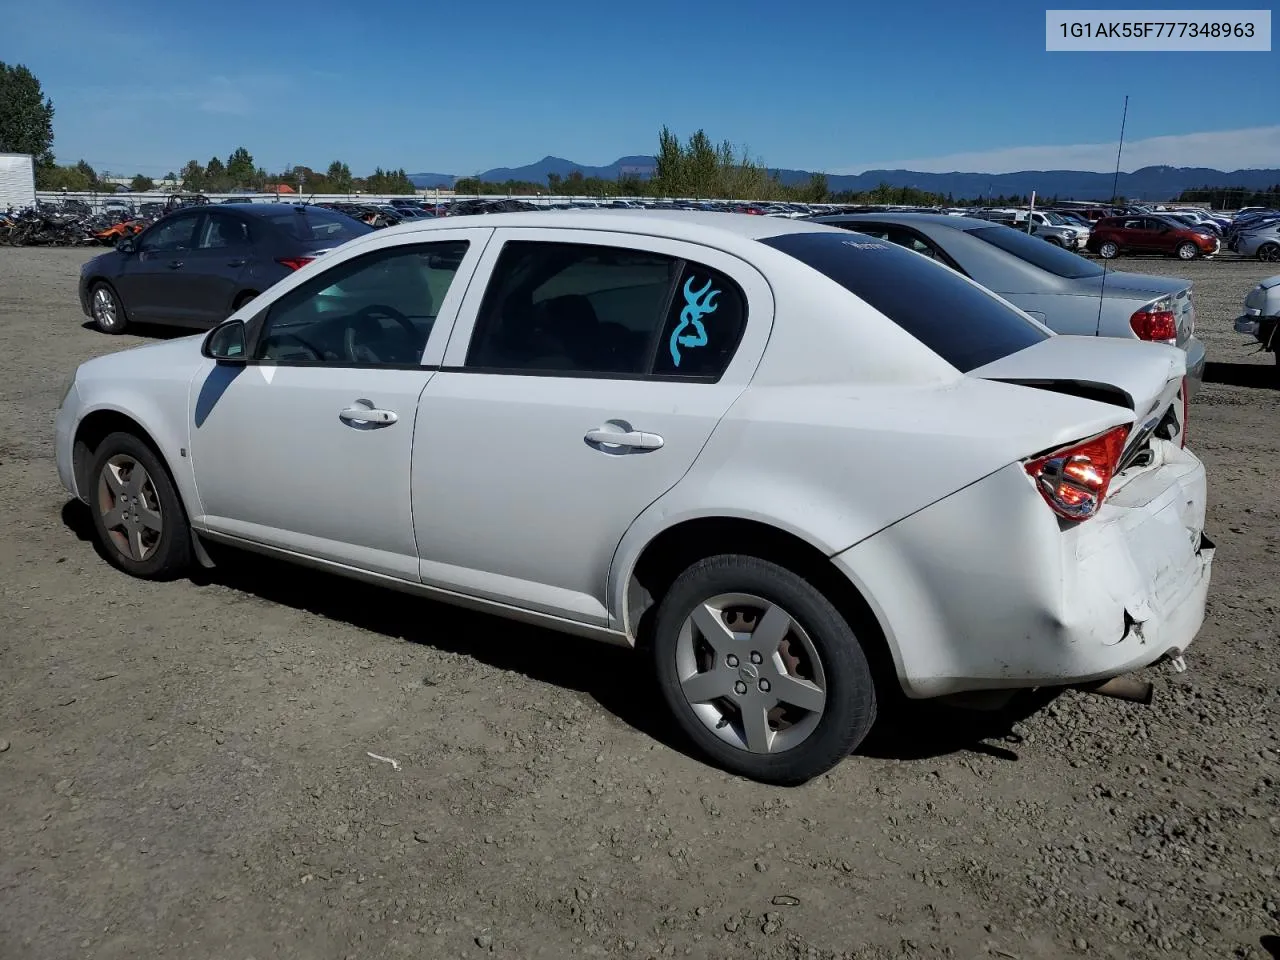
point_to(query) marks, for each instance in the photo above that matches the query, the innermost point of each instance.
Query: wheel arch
(676, 547)
(95, 427)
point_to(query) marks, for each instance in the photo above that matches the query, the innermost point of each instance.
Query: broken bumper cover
(985, 590)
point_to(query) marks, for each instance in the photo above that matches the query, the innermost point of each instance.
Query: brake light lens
(1074, 480)
(1156, 322)
(294, 263)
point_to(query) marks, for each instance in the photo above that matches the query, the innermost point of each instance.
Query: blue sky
(824, 85)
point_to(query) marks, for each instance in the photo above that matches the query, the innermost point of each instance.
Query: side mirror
(127, 244)
(227, 343)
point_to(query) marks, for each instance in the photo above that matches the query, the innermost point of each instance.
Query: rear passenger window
(704, 324)
(580, 309)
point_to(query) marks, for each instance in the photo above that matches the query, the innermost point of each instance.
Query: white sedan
(794, 465)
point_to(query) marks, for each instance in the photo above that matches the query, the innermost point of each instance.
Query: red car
(1150, 233)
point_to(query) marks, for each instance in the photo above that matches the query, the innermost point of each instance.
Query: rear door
(213, 268)
(586, 372)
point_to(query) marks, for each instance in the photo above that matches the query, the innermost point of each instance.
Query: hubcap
(1186, 251)
(130, 507)
(104, 307)
(1108, 250)
(751, 673)
(1271, 253)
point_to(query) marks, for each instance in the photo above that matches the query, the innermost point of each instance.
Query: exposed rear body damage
(1051, 601)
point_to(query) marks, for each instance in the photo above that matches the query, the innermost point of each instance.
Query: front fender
(162, 415)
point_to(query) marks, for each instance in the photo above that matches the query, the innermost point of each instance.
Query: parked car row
(806, 463)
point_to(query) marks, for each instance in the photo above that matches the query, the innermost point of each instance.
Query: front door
(308, 447)
(152, 280)
(586, 373)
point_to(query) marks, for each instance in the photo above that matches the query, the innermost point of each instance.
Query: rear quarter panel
(835, 464)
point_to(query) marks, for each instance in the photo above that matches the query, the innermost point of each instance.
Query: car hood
(1130, 286)
(160, 360)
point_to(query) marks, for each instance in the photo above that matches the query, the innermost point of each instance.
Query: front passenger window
(373, 310)
(170, 235)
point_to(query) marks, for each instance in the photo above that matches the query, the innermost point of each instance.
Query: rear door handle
(362, 413)
(235, 263)
(175, 264)
(635, 439)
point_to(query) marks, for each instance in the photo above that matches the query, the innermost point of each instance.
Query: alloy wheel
(104, 308)
(751, 673)
(130, 507)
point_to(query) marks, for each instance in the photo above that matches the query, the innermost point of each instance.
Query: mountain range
(1147, 183)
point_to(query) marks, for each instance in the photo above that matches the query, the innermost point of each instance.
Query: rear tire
(1108, 250)
(1269, 252)
(138, 517)
(1187, 251)
(782, 709)
(108, 311)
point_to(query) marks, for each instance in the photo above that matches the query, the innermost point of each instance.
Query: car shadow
(1264, 376)
(619, 679)
(152, 331)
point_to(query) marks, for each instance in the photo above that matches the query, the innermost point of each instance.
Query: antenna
(1115, 186)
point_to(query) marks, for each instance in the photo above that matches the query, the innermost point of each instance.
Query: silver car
(1065, 292)
(1262, 242)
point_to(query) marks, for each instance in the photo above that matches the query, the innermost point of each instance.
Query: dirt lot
(186, 772)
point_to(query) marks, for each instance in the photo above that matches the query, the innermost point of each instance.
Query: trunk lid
(1144, 377)
(1146, 291)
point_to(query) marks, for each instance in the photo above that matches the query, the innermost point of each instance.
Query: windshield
(956, 319)
(1046, 256)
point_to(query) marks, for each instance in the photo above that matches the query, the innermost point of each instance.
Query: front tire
(1108, 250)
(138, 518)
(762, 673)
(108, 311)
(1187, 251)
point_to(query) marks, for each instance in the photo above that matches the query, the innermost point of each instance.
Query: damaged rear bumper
(985, 590)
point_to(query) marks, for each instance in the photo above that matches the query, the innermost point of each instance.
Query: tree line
(1232, 198)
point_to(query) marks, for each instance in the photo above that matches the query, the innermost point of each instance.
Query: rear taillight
(1156, 322)
(1074, 479)
(294, 263)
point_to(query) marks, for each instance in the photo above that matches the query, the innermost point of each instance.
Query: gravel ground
(185, 769)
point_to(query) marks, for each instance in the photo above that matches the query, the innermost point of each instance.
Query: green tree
(26, 115)
(240, 167)
(339, 177)
(89, 174)
(555, 183)
(815, 189)
(171, 175)
(142, 184)
(215, 178)
(192, 176)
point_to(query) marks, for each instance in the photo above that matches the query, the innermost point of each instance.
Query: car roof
(905, 219)
(677, 224)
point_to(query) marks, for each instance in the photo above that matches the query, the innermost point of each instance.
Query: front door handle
(611, 436)
(235, 263)
(364, 414)
(175, 264)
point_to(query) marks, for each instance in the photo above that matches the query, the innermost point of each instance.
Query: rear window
(954, 318)
(1038, 252)
(316, 224)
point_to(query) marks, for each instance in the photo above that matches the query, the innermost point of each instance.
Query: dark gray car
(194, 267)
(1065, 292)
